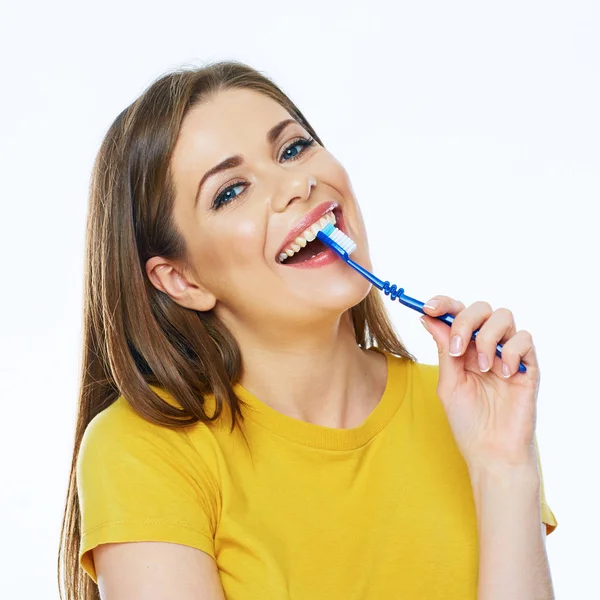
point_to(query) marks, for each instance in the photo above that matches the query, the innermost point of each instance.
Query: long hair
(135, 336)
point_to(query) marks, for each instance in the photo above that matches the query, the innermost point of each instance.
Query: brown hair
(134, 336)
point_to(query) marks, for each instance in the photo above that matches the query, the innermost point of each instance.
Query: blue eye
(290, 154)
(227, 194)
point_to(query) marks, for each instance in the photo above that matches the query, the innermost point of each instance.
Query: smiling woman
(246, 429)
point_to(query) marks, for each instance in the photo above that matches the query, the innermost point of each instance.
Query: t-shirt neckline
(328, 438)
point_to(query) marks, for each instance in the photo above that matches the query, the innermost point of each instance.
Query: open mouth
(307, 246)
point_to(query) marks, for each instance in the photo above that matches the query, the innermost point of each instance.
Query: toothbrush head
(337, 240)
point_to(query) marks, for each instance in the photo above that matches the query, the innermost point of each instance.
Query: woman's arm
(512, 553)
(491, 408)
(154, 571)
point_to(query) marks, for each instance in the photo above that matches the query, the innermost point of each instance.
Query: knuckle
(451, 302)
(508, 348)
(459, 324)
(526, 335)
(504, 311)
(510, 352)
(484, 305)
(483, 342)
(509, 357)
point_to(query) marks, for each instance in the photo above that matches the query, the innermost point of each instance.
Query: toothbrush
(340, 243)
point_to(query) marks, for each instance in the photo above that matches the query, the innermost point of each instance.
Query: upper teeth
(308, 235)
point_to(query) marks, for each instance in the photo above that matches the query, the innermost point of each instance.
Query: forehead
(227, 123)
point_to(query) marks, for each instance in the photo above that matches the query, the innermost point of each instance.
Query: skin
(492, 415)
(292, 338)
(295, 335)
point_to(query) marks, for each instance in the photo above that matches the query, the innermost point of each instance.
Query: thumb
(452, 368)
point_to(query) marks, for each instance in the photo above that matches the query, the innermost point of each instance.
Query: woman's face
(236, 221)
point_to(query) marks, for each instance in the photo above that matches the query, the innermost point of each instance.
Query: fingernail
(455, 345)
(505, 370)
(424, 324)
(482, 360)
(433, 304)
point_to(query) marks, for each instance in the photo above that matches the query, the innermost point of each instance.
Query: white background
(471, 132)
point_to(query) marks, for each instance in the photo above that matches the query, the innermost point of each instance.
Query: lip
(304, 223)
(325, 257)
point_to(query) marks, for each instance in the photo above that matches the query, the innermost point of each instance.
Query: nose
(295, 186)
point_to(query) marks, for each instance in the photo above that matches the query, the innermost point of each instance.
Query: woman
(252, 427)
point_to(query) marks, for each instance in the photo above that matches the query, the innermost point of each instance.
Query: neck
(323, 378)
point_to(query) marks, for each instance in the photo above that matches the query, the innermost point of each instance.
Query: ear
(166, 277)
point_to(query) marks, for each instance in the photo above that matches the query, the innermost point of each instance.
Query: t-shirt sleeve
(430, 377)
(547, 515)
(138, 481)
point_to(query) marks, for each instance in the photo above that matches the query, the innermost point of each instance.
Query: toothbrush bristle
(340, 238)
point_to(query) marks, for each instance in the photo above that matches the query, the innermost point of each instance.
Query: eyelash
(304, 142)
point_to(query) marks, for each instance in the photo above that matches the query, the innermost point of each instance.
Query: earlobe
(166, 278)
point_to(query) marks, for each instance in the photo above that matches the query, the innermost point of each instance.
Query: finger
(498, 327)
(465, 323)
(440, 305)
(520, 348)
(451, 369)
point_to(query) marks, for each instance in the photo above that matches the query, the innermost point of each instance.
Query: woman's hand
(491, 416)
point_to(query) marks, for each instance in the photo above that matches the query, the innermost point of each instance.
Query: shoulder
(421, 372)
(113, 421)
(119, 437)
(423, 380)
(417, 378)
(424, 399)
(426, 374)
(120, 426)
(139, 482)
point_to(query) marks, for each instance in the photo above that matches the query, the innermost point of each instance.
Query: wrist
(512, 558)
(505, 485)
(524, 466)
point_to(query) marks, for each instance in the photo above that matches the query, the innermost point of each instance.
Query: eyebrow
(237, 160)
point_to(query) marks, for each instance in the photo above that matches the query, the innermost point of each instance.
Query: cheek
(335, 174)
(247, 234)
(235, 244)
(330, 171)
(337, 177)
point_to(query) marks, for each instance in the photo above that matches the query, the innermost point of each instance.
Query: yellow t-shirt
(381, 511)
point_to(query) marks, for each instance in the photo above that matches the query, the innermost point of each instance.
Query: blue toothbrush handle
(398, 294)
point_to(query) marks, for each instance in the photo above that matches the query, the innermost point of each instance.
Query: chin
(339, 295)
